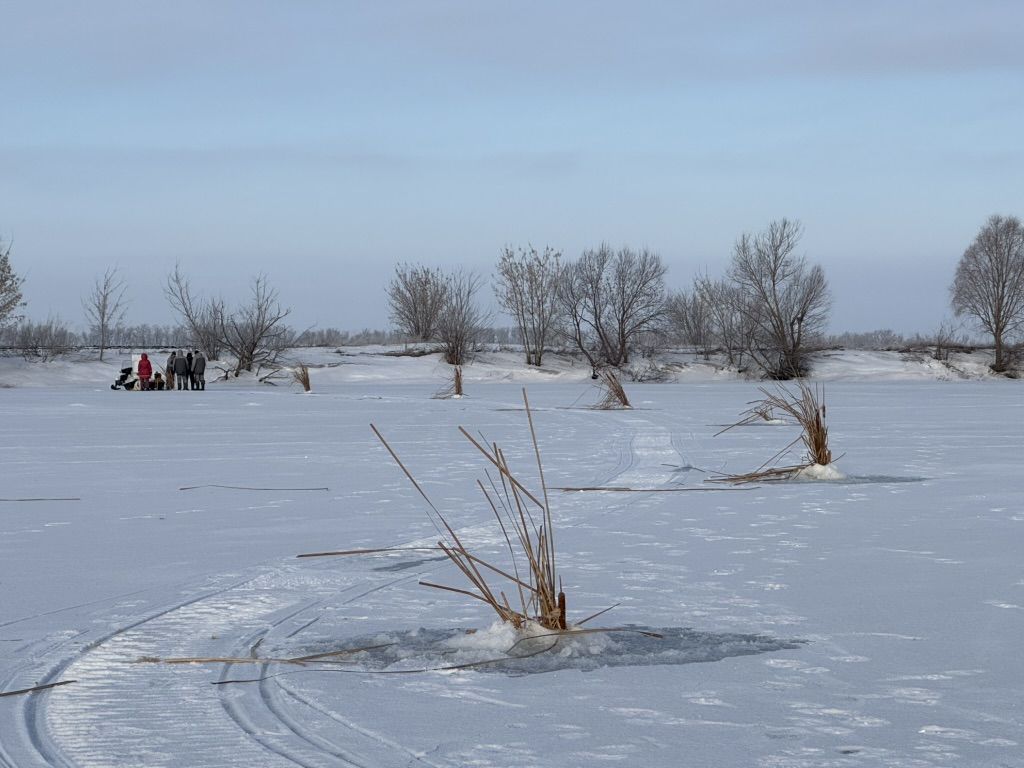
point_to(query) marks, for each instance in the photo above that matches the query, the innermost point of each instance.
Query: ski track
(646, 454)
(136, 714)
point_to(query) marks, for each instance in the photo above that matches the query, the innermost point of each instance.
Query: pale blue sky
(321, 142)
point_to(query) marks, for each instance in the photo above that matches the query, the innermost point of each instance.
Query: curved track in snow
(127, 711)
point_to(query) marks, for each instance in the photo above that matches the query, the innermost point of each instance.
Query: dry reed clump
(807, 408)
(613, 395)
(525, 522)
(300, 374)
(454, 389)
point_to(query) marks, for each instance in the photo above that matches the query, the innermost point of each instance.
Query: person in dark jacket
(169, 369)
(145, 371)
(199, 370)
(181, 370)
(191, 378)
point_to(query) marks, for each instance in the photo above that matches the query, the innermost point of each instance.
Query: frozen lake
(876, 621)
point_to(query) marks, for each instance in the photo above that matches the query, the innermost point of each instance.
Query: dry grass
(759, 412)
(532, 592)
(806, 407)
(613, 395)
(300, 374)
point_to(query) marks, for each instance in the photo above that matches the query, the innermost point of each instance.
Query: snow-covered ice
(861, 622)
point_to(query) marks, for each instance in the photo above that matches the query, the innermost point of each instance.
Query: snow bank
(395, 365)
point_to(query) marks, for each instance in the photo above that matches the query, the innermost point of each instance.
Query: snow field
(870, 621)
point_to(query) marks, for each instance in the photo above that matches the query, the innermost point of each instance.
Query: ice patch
(502, 649)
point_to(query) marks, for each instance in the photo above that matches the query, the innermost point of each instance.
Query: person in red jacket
(145, 371)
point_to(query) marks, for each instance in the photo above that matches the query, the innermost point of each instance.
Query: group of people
(188, 371)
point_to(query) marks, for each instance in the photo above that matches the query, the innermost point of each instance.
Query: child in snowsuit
(145, 371)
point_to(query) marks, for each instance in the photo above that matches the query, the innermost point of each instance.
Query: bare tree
(731, 325)
(10, 287)
(784, 299)
(204, 318)
(416, 296)
(42, 341)
(526, 287)
(460, 319)
(255, 333)
(989, 282)
(609, 298)
(947, 339)
(105, 307)
(574, 307)
(691, 321)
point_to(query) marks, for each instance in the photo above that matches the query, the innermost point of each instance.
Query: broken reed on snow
(807, 408)
(526, 525)
(613, 394)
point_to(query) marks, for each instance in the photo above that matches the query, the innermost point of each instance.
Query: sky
(322, 142)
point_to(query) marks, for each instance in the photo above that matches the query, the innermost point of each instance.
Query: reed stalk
(806, 407)
(529, 591)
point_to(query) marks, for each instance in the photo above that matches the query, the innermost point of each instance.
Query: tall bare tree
(416, 295)
(989, 282)
(460, 319)
(255, 332)
(784, 299)
(526, 287)
(105, 306)
(10, 287)
(574, 302)
(204, 318)
(609, 298)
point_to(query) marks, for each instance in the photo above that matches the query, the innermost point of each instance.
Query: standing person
(181, 370)
(169, 369)
(191, 376)
(145, 371)
(199, 370)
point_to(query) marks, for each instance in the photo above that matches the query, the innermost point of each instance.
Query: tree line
(768, 310)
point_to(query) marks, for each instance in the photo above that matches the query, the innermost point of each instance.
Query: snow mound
(820, 472)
